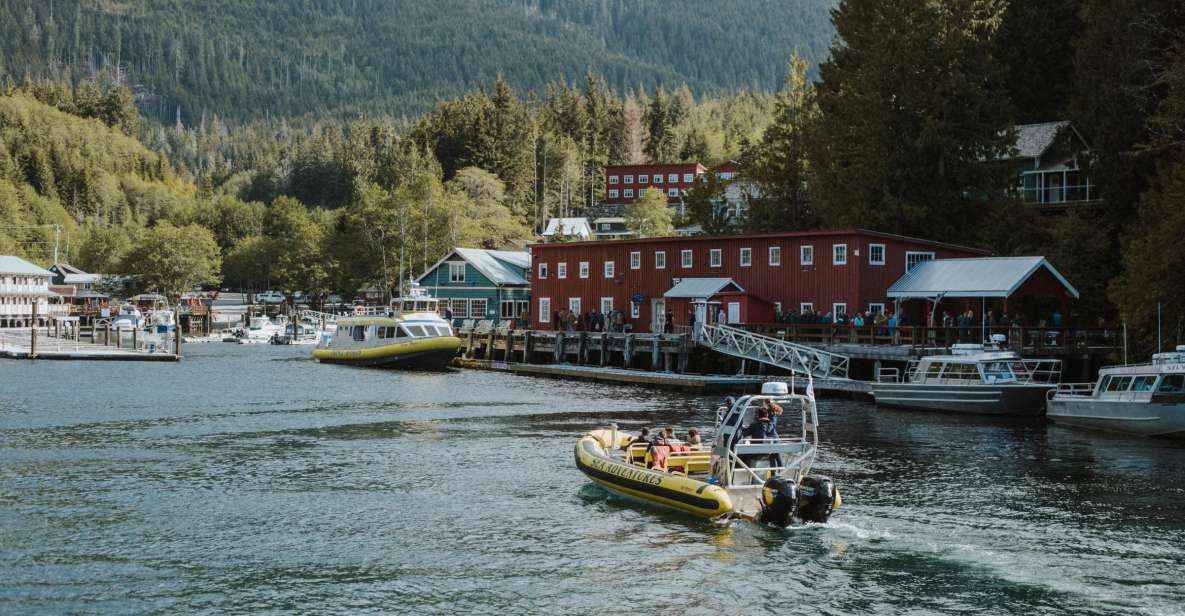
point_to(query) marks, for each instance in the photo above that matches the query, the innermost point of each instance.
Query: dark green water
(250, 480)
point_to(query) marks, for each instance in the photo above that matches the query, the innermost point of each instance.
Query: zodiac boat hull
(421, 354)
(647, 485)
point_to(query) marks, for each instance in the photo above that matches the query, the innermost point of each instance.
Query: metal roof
(502, 267)
(568, 226)
(979, 277)
(16, 265)
(700, 288)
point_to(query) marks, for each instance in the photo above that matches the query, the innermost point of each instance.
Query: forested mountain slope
(244, 59)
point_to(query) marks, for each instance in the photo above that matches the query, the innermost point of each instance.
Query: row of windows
(672, 178)
(629, 193)
(574, 305)
(806, 256)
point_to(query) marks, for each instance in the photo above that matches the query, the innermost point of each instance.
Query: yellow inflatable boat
(725, 479)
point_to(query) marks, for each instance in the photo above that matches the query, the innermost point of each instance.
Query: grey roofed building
(568, 227)
(978, 277)
(16, 265)
(1047, 157)
(700, 288)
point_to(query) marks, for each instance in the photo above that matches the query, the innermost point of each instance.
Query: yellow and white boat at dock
(723, 480)
(412, 335)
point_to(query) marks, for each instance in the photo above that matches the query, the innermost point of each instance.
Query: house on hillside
(567, 228)
(610, 228)
(1048, 158)
(624, 184)
(479, 284)
(77, 287)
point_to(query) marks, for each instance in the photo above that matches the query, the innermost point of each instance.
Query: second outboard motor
(816, 499)
(779, 501)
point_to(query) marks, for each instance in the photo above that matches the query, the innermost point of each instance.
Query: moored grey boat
(1141, 399)
(971, 380)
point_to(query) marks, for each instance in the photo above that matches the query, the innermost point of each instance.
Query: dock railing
(1029, 339)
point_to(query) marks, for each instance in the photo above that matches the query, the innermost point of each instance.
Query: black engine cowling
(779, 501)
(816, 498)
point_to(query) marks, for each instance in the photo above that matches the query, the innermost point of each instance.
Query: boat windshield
(961, 372)
(998, 372)
(1172, 384)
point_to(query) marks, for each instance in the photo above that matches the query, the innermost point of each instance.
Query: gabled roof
(65, 268)
(568, 226)
(1033, 140)
(16, 265)
(502, 267)
(981, 277)
(701, 288)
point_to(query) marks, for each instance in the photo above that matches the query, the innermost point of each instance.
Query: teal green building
(478, 284)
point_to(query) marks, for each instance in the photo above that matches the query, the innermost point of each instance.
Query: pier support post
(469, 351)
(528, 346)
(604, 349)
(490, 346)
(655, 351)
(627, 351)
(684, 352)
(582, 353)
(177, 340)
(558, 351)
(508, 356)
(33, 333)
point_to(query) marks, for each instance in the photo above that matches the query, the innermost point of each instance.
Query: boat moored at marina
(1141, 399)
(128, 317)
(972, 379)
(412, 336)
(727, 479)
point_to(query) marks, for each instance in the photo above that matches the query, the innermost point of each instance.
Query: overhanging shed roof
(982, 277)
(700, 288)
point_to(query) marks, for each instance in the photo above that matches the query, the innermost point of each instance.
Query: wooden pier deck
(18, 344)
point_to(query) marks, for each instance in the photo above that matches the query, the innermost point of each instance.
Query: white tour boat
(1142, 399)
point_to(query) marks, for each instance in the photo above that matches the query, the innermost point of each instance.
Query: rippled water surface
(251, 480)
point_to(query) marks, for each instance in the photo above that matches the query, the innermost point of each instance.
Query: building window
(643, 179)
(635, 260)
(613, 193)
(673, 178)
(456, 272)
(629, 193)
(685, 258)
(913, 258)
(806, 308)
(688, 178)
(605, 226)
(875, 309)
(610, 267)
(839, 254)
(660, 260)
(561, 270)
(459, 308)
(839, 309)
(606, 305)
(746, 257)
(806, 255)
(613, 179)
(775, 255)
(658, 178)
(714, 258)
(574, 304)
(672, 192)
(584, 269)
(477, 308)
(629, 179)
(635, 310)
(542, 271)
(545, 310)
(876, 254)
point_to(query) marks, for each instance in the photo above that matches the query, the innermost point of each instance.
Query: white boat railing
(1076, 390)
(888, 375)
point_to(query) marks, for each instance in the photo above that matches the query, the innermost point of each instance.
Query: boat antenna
(1159, 344)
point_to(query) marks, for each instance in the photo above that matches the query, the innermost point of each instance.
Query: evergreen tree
(705, 205)
(660, 138)
(779, 164)
(912, 105)
(649, 216)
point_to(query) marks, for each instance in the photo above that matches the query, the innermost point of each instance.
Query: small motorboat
(260, 330)
(128, 317)
(975, 379)
(411, 336)
(724, 480)
(1141, 399)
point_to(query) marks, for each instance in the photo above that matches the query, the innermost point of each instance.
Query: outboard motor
(816, 499)
(779, 502)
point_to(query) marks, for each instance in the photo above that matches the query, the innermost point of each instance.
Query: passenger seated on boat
(693, 437)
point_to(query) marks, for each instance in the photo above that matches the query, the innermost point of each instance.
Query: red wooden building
(748, 277)
(624, 184)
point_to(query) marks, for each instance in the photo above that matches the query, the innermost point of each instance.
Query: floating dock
(19, 344)
(671, 380)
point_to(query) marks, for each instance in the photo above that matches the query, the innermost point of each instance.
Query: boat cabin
(972, 365)
(390, 329)
(1161, 380)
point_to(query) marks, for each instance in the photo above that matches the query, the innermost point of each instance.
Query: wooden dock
(22, 344)
(659, 352)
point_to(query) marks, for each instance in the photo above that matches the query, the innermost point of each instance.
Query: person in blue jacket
(766, 427)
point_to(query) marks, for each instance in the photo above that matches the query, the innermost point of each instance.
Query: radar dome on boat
(774, 388)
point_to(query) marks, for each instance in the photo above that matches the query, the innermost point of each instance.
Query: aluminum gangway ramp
(797, 358)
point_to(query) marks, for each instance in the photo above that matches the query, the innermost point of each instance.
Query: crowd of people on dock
(591, 321)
